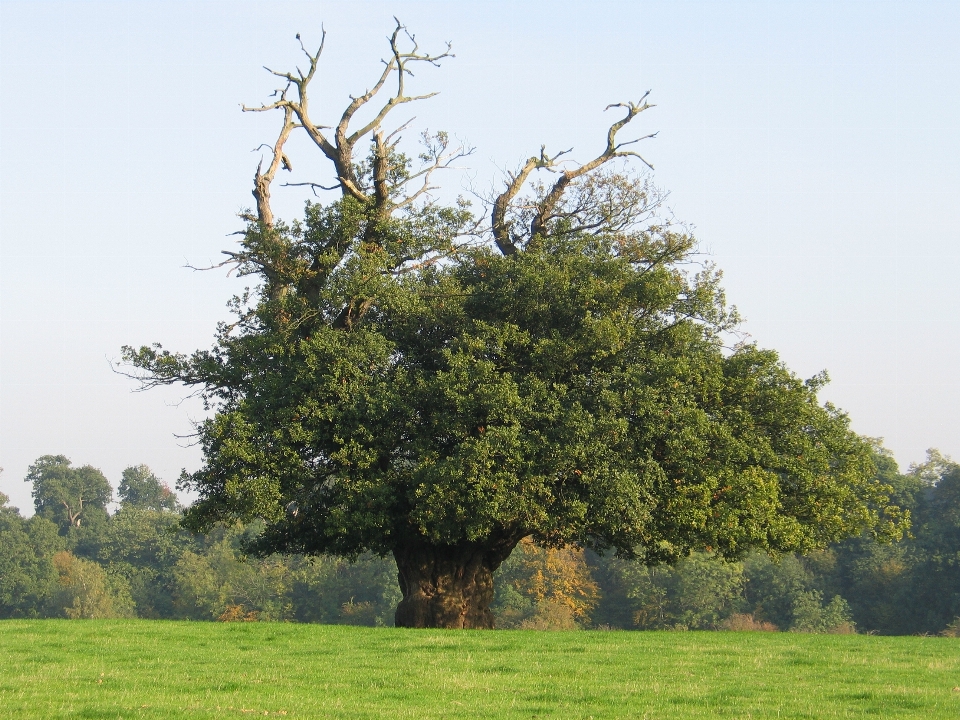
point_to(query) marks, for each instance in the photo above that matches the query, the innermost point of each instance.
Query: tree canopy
(416, 378)
(67, 495)
(140, 488)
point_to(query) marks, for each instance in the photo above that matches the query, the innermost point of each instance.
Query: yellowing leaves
(555, 582)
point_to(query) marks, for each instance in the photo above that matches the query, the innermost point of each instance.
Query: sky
(813, 146)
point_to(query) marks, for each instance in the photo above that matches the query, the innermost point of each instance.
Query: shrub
(745, 622)
(953, 629)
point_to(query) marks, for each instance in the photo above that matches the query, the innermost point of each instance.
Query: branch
(261, 180)
(437, 158)
(300, 106)
(381, 166)
(231, 260)
(501, 228)
(613, 150)
(314, 186)
(405, 268)
(340, 151)
(399, 61)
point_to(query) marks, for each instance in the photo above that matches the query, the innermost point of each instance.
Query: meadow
(162, 669)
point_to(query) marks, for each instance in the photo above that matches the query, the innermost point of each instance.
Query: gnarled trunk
(449, 586)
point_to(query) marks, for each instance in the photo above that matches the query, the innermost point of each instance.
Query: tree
(698, 593)
(935, 585)
(87, 592)
(406, 379)
(334, 590)
(143, 546)
(880, 579)
(140, 488)
(911, 586)
(544, 588)
(27, 574)
(789, 594)
(67, 495)
(217, 582)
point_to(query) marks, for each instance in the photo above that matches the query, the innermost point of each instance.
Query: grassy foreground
(156, 669)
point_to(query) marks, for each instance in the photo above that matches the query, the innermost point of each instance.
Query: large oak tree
(411, 378)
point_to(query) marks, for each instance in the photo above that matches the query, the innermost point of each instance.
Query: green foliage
(140, 488)
(218, 581)
(333, 590)
(66, 495)
(810, 615)
(698, 593)
(911, 586)
(141, 561)
(27, 574)
(777, 587)
(879, 581)
(578, 391)
(705, 592)
(143, 546)
(937, 570)
(86, 592)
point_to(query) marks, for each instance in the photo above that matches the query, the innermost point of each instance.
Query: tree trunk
(449, 586)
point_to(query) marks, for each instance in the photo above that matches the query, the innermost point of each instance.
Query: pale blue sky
(815, 147)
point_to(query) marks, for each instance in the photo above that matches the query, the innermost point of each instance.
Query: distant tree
(790, 592)
(66, 495)
(698, 593)
(409, 380)
(881, 582)
(334, 590)
(910, 586)
(27, 573)
(935, 585)
(218, 582)
(705, 592)
(144, 546)
(811, 615)
(775, 586)
(87, 592)
(930, 472)
(199, 592)
(140, 488)
(545, 588)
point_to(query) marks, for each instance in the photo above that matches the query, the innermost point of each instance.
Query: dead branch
(613, 150)
(230, 262)
(546, 209)
(313, 186)
(437, 156)
(501, 228)
(262, 181)
(340, 148)
(604, 201)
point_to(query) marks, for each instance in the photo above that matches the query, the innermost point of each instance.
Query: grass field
(155, 669)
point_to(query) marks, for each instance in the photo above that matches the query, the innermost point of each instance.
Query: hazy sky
(814, 146)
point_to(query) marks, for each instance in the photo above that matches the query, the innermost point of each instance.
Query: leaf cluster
(579, 391)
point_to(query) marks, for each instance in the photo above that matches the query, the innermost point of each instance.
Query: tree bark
(449, 586)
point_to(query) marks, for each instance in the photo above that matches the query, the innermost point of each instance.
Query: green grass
(154, 669)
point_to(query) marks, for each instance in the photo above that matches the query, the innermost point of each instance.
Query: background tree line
(74, 559)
